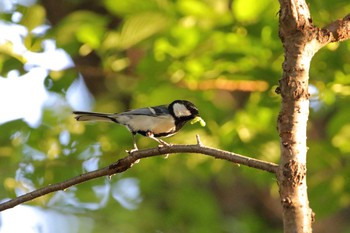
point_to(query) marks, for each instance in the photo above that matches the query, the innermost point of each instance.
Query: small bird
(152, 122)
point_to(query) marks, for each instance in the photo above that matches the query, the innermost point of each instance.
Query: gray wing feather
(151, 111)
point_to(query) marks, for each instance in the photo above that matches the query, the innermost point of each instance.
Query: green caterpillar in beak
(201, 121)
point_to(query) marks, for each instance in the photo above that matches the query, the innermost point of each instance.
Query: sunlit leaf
(249, 10)
(139, 27)
(124, 8)
(79, 28)
(34, 16)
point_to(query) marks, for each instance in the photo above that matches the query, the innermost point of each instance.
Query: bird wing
(150, 111)
(153, 119)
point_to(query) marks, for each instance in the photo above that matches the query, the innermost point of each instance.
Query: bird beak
(201, 121)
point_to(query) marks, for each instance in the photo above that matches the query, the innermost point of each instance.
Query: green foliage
(81, 27)
(224, 56)
(33, 17)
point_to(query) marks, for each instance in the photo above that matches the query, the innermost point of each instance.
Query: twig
(199, 143)
(125, 163)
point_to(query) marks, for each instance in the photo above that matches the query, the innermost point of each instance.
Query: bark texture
(301, 40)
(298, 37)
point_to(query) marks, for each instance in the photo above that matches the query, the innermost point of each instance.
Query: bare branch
(125, 163)
(224, 83)
(336, 31)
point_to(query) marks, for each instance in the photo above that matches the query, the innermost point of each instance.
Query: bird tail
(93, 116)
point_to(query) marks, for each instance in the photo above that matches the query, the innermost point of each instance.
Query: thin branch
(223, 83)
(127, 162)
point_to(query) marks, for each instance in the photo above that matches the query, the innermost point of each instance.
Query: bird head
(183, 110)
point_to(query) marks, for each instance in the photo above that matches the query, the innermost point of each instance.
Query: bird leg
(135, 145)
(160, 141)
(134, 141)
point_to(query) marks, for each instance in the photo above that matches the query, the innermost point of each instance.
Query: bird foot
(136, 161)
(132, 151)
(164, 144)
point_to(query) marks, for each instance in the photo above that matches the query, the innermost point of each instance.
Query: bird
(152, 122)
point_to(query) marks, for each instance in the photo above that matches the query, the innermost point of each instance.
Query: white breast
(156, 125)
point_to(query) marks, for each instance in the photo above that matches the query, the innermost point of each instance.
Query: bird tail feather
(93, 116)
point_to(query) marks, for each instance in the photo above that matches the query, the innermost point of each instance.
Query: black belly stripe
(144, 133)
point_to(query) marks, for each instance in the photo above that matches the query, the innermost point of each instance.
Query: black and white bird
(152, 122)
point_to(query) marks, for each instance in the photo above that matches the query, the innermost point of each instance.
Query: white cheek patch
(180, 110)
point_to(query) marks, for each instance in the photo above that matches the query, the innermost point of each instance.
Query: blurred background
(110, 56)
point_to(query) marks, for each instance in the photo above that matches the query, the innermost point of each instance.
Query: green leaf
(60, 81)
(139, 27)
(81, 27)
(249, 10)
(124, 8)
(34, 17)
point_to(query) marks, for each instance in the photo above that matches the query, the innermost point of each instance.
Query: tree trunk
(297, 34)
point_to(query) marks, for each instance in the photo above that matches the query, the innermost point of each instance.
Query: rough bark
(301, 40)
(297, 35)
